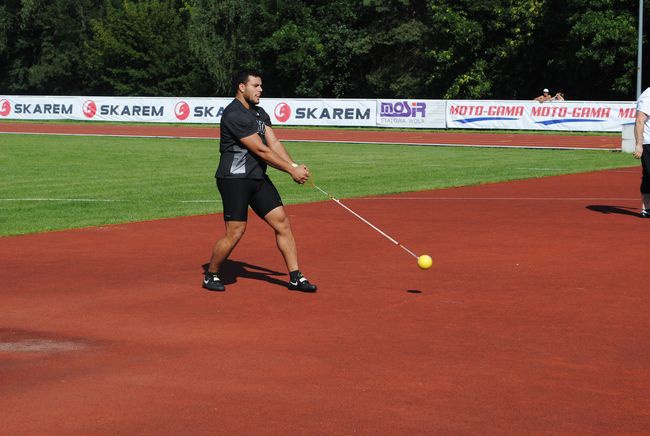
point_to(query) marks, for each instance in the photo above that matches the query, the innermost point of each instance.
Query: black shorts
(645, 163)
(238, 194)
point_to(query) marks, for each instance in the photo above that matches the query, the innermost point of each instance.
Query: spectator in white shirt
(642, 148)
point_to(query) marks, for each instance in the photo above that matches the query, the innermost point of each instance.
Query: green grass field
(60, 182)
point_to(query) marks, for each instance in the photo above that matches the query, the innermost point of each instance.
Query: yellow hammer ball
(425, 262)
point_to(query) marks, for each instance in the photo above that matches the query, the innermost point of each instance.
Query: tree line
(500, 49)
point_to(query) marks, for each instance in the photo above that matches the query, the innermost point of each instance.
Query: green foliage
(41, 45)
(141, 48)
(5, 26)
(481, 44)
(339, 48)
(223, 36)
(606, 48)
(588, 47)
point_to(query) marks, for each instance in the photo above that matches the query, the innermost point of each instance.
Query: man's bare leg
(224, 246)
(279, 221)
(222, 249)
(645, 206)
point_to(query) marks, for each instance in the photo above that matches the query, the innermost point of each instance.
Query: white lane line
(39, 346)
(432, 144)
(499, 198)
(458, 199)
(542, 169)
(111, 135)
(198, 201)
(90, 200)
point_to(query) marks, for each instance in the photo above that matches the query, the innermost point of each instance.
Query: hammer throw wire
(364, 220)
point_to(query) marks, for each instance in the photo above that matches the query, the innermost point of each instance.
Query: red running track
(341, 135)
(533, 320)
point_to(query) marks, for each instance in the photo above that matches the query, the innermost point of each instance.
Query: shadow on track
(232, 269)
(613, 209)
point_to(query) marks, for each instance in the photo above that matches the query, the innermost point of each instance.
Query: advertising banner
(140, 109)
(18, 107)
(453, 114)
(306, 112)
(411, 113)
(321, 112)
(199, 109)
(533, 115)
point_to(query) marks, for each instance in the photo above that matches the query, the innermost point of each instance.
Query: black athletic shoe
(212, 283)
(302, 285)
(645, 213)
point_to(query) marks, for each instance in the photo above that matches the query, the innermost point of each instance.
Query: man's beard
(250, 101)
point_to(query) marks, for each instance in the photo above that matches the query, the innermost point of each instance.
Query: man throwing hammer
(248, 145)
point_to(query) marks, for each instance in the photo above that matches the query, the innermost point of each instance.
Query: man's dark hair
(242, 77)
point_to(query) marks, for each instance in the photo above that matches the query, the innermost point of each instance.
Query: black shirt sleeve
(240, 124)
(266, 119)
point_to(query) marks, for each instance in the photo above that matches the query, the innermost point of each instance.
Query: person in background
(559, 96)
(642, 148)
(546, 96)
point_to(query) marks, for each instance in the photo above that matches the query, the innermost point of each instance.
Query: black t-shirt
(238, 122)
